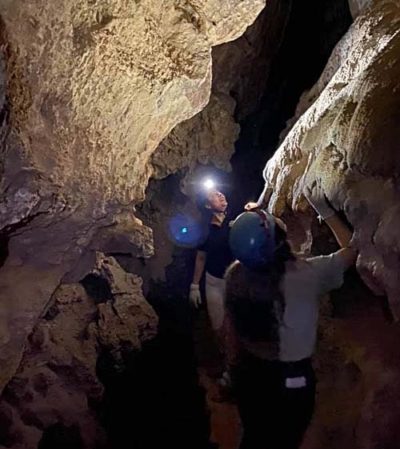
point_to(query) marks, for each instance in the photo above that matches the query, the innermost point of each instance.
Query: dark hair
(201, 202)
(202, 199)
(254, 298)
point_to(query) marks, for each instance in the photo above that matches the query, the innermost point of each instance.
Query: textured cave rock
(57, 383)
(345, 133)
(240, 72)
(209, 137)
(88, 91)
(81, 116)
(347, 138)
(358, 6)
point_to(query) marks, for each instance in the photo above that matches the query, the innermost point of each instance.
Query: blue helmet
(252, 238)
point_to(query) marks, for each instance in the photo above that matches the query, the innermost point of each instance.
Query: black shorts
(275, 400)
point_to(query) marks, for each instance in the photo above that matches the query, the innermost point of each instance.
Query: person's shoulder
(323, 260)
(300, 267)
(329, 270)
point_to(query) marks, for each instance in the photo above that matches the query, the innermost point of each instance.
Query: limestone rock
(87, 92)
(358, 6)
(347, 138)
(240, 72)
(57, 380)
(114, 80)
(344, 133)
(209, 137)
(128, 319)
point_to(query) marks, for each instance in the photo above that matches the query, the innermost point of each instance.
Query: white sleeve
(329, 270)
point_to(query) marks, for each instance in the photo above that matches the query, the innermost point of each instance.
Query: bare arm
(263, 198)
(199, 265)
(343, 235)
(340, 230)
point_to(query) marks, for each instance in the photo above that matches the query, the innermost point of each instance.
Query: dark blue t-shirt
(219, 255)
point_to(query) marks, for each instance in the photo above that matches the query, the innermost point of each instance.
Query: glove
(195, 296)
(316, 197)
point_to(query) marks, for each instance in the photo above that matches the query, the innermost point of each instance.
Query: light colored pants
(215, 291)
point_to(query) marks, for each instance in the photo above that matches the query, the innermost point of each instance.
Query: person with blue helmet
(272, 298)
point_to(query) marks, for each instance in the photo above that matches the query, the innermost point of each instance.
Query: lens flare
(209, 184)
(185, 231)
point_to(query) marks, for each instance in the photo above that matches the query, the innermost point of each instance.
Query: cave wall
(347, 138)
(239, 74)
(344, 133)
(57, 390)
(87, 92)
(69, 183)
(358, 6)
(84, 113)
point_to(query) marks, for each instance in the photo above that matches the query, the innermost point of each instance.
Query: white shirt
(302, 289)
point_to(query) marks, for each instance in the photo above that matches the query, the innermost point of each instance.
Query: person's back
(272, 314)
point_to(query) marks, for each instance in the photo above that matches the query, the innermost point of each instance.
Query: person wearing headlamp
(213, 257)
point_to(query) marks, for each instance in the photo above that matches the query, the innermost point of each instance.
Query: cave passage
(163, 381)
(119, 296)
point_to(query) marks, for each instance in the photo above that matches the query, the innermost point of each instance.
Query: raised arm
(261, 200)
(343, 235)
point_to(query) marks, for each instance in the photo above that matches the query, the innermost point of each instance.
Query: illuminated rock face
(88, 91)
(240, 73)
(358, 6)
(347, 138)
(345, 133)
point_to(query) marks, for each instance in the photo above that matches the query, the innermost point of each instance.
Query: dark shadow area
(157, 401)
(59, 436)
(97, 288)
(4, 239)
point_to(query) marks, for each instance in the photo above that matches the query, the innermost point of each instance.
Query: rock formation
(88, 91)
(345, 135)
(97, 97)
(239, 74)
(57, 384)
(357, 6)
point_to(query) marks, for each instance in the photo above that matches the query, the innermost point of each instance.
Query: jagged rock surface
(358, 6)
(57, 383)
(88, 91)
(207, 138)
(240, 72)
(345, 134)
(347, 138)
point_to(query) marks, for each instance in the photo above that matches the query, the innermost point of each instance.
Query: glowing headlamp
(209, 184)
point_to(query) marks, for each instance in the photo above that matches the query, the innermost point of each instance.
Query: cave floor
(224, 417)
